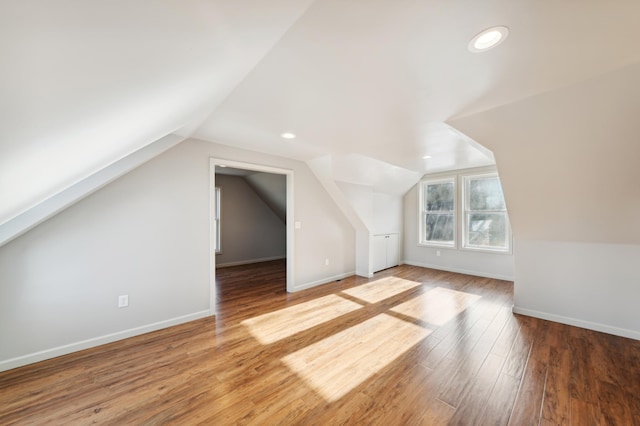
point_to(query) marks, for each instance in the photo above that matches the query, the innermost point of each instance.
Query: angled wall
(55, 203)
(369, 192)
(88, 85)
(250, 230)
(568, 161)
(272, 189)
(146, 235)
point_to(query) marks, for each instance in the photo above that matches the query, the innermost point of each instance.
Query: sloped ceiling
(379, 78)
(569, 159)
(269, 187)
(272, 189)
(86, 83)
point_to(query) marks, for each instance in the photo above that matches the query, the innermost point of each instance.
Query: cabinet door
(393, 250)
(379, 252)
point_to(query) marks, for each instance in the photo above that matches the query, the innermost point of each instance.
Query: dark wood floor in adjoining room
(410, 346)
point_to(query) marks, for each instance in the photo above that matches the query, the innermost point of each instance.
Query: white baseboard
(322, 281)
(459, 270)
(248, 262)
(616, 331)
(97, 341)
(364, 274)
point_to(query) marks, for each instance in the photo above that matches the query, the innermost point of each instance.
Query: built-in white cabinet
(385, 251)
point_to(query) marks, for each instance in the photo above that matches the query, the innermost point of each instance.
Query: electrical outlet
(123, 301)
(326, 262)
(437, 252)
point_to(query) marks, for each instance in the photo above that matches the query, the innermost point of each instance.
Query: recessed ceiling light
(426, 157)
(488, 39)
(222, 165)
(288, 135)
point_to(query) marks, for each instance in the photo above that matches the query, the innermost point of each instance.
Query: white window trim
(216, 219)
(460, 209)
(422, 213)
(464, 181)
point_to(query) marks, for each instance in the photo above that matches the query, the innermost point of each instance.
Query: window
(217, 219)
(437, 216)
(485, 222)
(480, 223)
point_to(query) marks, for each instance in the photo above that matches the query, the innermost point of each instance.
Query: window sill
(436, 245)
(509, 251)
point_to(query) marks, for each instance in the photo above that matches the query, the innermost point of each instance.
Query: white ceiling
(570, 159)
(86, 83)
(380, 78)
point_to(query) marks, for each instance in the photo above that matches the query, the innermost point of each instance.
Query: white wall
(596, 286)
(568, 159)
(250, 230)
(568, 162)
(72, 194)
(322, 168)
(145, 235)
(380, 213)
(360, 198)
(387, 214)
(484, 264)
(141, 235)
(87, 84)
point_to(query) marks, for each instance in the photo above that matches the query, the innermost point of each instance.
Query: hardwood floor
(410, 346)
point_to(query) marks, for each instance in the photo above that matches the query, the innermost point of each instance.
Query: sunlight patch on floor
(437, 306)
(339, 363)
(384, 288)
(274, 326)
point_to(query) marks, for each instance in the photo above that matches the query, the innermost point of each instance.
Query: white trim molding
(53, 205)
(323, 281)
(249, 261)
(20, 361)
(289, 222)
(459, 270)
(603, 328)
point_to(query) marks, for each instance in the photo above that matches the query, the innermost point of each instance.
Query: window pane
(486, 194)
(487, 230)
(440, 196)
(439, 228)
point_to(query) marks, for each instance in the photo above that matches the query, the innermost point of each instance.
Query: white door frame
(213, 162)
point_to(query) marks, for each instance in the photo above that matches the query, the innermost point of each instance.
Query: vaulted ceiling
(84, 84)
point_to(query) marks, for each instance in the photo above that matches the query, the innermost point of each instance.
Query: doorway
(289, 228)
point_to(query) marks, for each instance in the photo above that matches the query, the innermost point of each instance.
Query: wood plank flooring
(410, 346)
